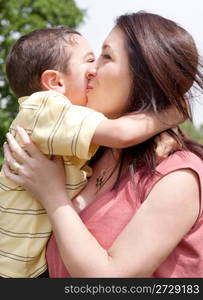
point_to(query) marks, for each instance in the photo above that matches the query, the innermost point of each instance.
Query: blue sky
(101, 14)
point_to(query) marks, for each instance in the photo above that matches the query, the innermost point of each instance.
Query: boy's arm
(134, 128)
(57, 126)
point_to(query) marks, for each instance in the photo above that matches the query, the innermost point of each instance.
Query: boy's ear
(53, 80)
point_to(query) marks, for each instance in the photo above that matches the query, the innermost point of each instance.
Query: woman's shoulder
(181, 160)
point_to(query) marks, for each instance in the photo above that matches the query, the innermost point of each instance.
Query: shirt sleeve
(57, 126)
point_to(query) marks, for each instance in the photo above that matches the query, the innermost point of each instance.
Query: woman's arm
(165, 217)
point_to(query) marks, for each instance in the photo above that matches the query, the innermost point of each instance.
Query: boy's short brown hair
(35, 52)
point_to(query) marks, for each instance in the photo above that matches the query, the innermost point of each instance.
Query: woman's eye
(105, 56)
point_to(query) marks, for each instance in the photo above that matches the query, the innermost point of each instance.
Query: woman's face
(109, 87)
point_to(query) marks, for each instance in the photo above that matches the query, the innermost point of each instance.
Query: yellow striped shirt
(58, 128)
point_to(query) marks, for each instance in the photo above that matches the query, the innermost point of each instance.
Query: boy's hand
(166, 145)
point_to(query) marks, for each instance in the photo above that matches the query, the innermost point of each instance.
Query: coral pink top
(109, 213)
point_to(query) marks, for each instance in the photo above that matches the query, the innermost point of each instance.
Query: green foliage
(4, 124)
(18, 17)
(191, 131)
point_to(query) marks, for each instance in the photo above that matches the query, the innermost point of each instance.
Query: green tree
(191, 131)
(4, 124)
(201, 129)
(18, 17)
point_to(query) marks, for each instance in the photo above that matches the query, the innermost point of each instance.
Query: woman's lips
(89, 88)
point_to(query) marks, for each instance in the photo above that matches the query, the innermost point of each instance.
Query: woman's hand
(39, 175)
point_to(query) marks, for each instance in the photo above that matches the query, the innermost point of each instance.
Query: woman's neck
(105, 169)
(104, 174)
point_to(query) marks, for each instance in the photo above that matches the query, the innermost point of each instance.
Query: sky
(101, 14)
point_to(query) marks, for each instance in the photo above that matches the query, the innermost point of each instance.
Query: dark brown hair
(164, 62)
(35, 52)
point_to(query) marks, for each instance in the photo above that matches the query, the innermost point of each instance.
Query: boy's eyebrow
(88, 54)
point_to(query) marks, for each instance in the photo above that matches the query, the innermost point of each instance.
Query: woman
(133, 223)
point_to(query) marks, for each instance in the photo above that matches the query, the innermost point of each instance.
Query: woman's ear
(53, 80)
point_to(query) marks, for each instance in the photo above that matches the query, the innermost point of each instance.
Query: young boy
(38, 66)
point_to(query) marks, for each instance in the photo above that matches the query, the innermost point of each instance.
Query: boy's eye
(91, 59)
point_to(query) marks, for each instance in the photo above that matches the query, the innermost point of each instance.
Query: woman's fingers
(25, 152)
(11, 163)
(10, 174)
(15, 151)
(27, 143)
(8, 156)
(32, 166)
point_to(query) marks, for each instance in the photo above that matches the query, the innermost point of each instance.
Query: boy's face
(76, 78)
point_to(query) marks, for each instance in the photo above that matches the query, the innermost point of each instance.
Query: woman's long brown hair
(166, 70)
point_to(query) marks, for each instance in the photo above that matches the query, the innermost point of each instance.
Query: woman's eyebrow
(106, 46)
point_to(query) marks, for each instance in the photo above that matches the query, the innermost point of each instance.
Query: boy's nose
(91, 72)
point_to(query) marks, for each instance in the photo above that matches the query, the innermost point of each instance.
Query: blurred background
(94, 19)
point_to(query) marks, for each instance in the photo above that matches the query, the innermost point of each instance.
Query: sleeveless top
(107, 215)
